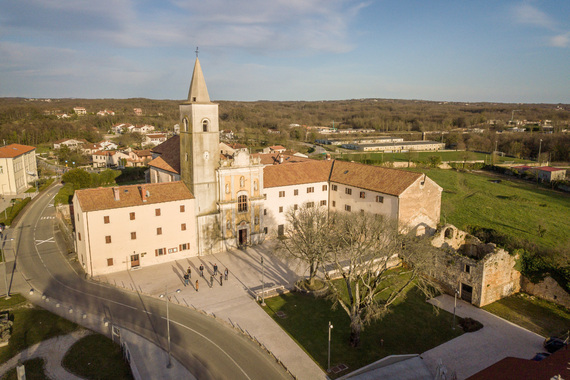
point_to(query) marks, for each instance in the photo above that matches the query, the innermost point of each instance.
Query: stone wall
(466, 262)
(547, 289)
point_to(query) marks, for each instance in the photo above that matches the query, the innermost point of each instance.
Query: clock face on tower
(206, 155)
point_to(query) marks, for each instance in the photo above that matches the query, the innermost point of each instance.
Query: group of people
(188, 275)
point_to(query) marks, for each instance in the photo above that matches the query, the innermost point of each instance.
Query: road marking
(212, 342)
(50, 240)
(47, 217)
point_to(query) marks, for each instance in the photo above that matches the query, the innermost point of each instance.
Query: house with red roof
(17, 168)
(549, 174)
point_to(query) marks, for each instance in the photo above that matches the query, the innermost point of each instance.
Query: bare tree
(305, 237)
(363, 250)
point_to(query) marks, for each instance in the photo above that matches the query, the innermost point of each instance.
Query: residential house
(106, 113)
(80, 111)
(549, 174)
(73, 144)
(274, 149)
(138, 111)
(109, 159)
(154, 139)
(17, 168)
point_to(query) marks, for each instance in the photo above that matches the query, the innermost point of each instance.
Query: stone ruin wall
(492, 274)
(547, 289)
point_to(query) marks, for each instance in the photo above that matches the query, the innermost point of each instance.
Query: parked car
(553, 344)
(540, 356)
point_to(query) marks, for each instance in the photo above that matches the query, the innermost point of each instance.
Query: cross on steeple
(196, 51)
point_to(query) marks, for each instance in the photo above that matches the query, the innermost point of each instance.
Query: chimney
(144, 193)
(116, 193)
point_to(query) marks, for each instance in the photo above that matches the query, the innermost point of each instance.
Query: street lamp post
(165, 295)
(262, 283)
(329, 351)
(454, 307)
(4, 262)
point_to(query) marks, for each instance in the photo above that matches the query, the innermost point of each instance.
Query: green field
(513, 207)
(424, 156)
(412, 327)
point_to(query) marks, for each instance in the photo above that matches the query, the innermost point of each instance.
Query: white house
(73, 144)
(118, 228)
(17, 168)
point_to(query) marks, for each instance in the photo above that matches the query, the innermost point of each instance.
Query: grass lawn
(412, 327)
(35, 370)
(424, 156)
(514, 208)
(33, 325)
(97, 357)
(540, 316)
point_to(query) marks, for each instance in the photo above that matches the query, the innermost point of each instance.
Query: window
(362, 194)
(160, 251)
(106, 220)
(324, 187)
(264, 211)
(157, 212)
(310, 189)
(296, 192)
(110, 262)
(379, 199)
(295, 207)
(310, 204)
(159, 231)
(281, 194)
(1, 169)
(185, 124)
(133, 235)
(348, 191)
(132, 215)
(280, 209)
(183, 227)
(281, 230)
(184, 247)
(323, 203)
(107, 239)
(334, 203)
(205, 126)
(334, 187)
(182, 208)
(467, 268)
(79, 236)
(242, 203)
(347, 208)
(172, 250)
(265, 230)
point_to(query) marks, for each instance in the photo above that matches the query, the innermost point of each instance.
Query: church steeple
(198, 92)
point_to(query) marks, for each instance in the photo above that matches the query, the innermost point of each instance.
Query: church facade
(230, 197)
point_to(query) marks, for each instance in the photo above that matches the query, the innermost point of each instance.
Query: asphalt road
(209, 349)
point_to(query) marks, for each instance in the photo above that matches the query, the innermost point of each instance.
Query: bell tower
(199, 144)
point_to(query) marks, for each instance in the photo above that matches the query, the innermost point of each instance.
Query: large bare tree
(305, 237)
(363, 250)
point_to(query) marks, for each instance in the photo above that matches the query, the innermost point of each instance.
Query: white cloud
(527, 14)
(561, 40)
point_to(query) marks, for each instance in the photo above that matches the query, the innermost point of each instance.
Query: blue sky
(495, 51)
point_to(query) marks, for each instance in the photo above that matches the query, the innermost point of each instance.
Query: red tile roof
(296, 173)
(103, 198)
(14, 150)
(169, 153)
(375, 178)
(549, 169)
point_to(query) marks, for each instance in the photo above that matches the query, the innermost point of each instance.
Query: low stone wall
(547, 289)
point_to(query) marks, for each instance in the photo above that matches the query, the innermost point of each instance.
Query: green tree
(79, 178)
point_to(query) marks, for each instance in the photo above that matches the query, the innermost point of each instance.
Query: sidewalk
(52, 351)
(472, 352)
(234, 299)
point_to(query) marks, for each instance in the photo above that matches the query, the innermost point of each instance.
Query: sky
(485, 50)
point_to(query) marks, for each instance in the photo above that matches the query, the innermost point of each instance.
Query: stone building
(480, 273)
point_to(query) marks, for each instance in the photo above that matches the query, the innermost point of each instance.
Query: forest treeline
(33, 122)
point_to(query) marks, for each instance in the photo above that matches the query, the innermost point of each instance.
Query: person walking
(226, 274)
(189, 272)
(221, 278)
(186, 278)
(211, 281)
(197, 284)
(201, 270)
(215, 269)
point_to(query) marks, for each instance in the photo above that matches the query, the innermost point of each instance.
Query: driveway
(472, 352)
